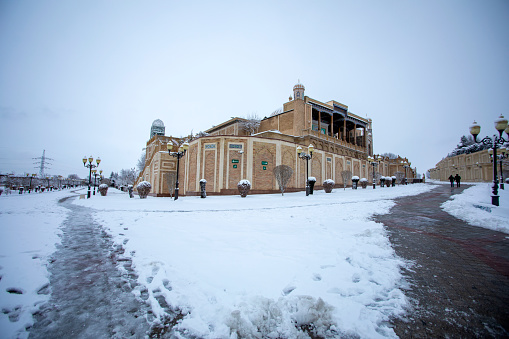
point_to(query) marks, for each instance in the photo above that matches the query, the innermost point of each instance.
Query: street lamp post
(500, 126)
(181, 152)
(306, 157)
(374, 162)
(31, 178)
(90, 166)
(501, 158)
(406, 167)
(94, 172)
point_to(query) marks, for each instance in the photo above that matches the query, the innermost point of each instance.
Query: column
(319, 122)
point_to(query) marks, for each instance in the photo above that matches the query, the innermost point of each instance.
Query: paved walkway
(90, 296)
(459, 274)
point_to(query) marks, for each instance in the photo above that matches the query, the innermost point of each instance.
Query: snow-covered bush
(328, 185)
(103, 189)
(143, 189)
(244, 186)
(364, 182)
(130, 190)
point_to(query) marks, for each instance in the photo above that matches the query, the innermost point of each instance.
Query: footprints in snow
(356, 278)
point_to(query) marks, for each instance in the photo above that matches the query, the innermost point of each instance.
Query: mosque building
(235, 150)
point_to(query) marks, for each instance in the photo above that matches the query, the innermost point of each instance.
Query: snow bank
(267, 267)
(29, 230)
(474, 206)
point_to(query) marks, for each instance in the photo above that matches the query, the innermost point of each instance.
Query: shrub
(364, 182)
(328, 185)
(103, 189)
(244, 186)
(143, 189)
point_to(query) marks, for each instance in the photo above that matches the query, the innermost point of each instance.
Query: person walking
(457, 178)
(451, 179)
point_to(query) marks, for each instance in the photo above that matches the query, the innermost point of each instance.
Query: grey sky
(89, 77)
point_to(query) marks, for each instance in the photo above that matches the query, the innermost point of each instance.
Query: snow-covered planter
(382, 181)
(394, 180)
(244, 186)
(103, 189)
(388, 181)
(130, 190)
(506, 181)
(143, 189)
(203, 192)
(328, 185)
(1, 190)
(364, 182)
(311, 183)
(43, 189)
(355, 180)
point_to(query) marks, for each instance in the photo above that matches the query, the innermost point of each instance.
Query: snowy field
(29, 230)
(474, 206)
(265, 265)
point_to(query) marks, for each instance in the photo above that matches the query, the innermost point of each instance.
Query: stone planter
(382, 181)
(388, 181)
(355, 182)
(244, 186)
(311, 184)
(103, 189)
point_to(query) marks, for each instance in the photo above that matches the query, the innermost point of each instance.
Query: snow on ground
(29, 230)
(264, 265)
(474, 206)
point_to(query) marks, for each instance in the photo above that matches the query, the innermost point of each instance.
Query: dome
(158, 123)
(299, 86)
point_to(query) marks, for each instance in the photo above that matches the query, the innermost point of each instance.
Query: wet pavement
(458, 274)
(90, 296)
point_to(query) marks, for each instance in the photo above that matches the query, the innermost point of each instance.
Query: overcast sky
(89, 77)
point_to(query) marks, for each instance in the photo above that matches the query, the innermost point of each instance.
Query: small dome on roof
(158, 123)
(299, 86)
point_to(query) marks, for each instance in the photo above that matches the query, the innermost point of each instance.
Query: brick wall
(263, 178)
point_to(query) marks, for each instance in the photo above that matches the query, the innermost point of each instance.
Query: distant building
(472, 167)
(228, 152)
(157, 128)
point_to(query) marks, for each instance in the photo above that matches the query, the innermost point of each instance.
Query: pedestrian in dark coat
(457, 178)
(451, 179)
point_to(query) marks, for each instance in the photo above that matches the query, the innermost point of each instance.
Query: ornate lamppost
(406, 167)
(94, 172)
(181, 152)
(500, 126)
(501, 158)
(374, 162)
(306, 157)
(90, 166)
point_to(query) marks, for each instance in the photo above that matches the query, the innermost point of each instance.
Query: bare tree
(171, 178)
(250, 124)
(347, 176)
(283, 173)
(389, 155)
(141, 162)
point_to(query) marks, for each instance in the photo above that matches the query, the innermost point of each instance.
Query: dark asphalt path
(459, 274)
(90, 296)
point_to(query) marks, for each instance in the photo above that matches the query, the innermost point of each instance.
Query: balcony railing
(335, 140)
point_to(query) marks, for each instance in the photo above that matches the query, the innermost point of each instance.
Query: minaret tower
(298, 91)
